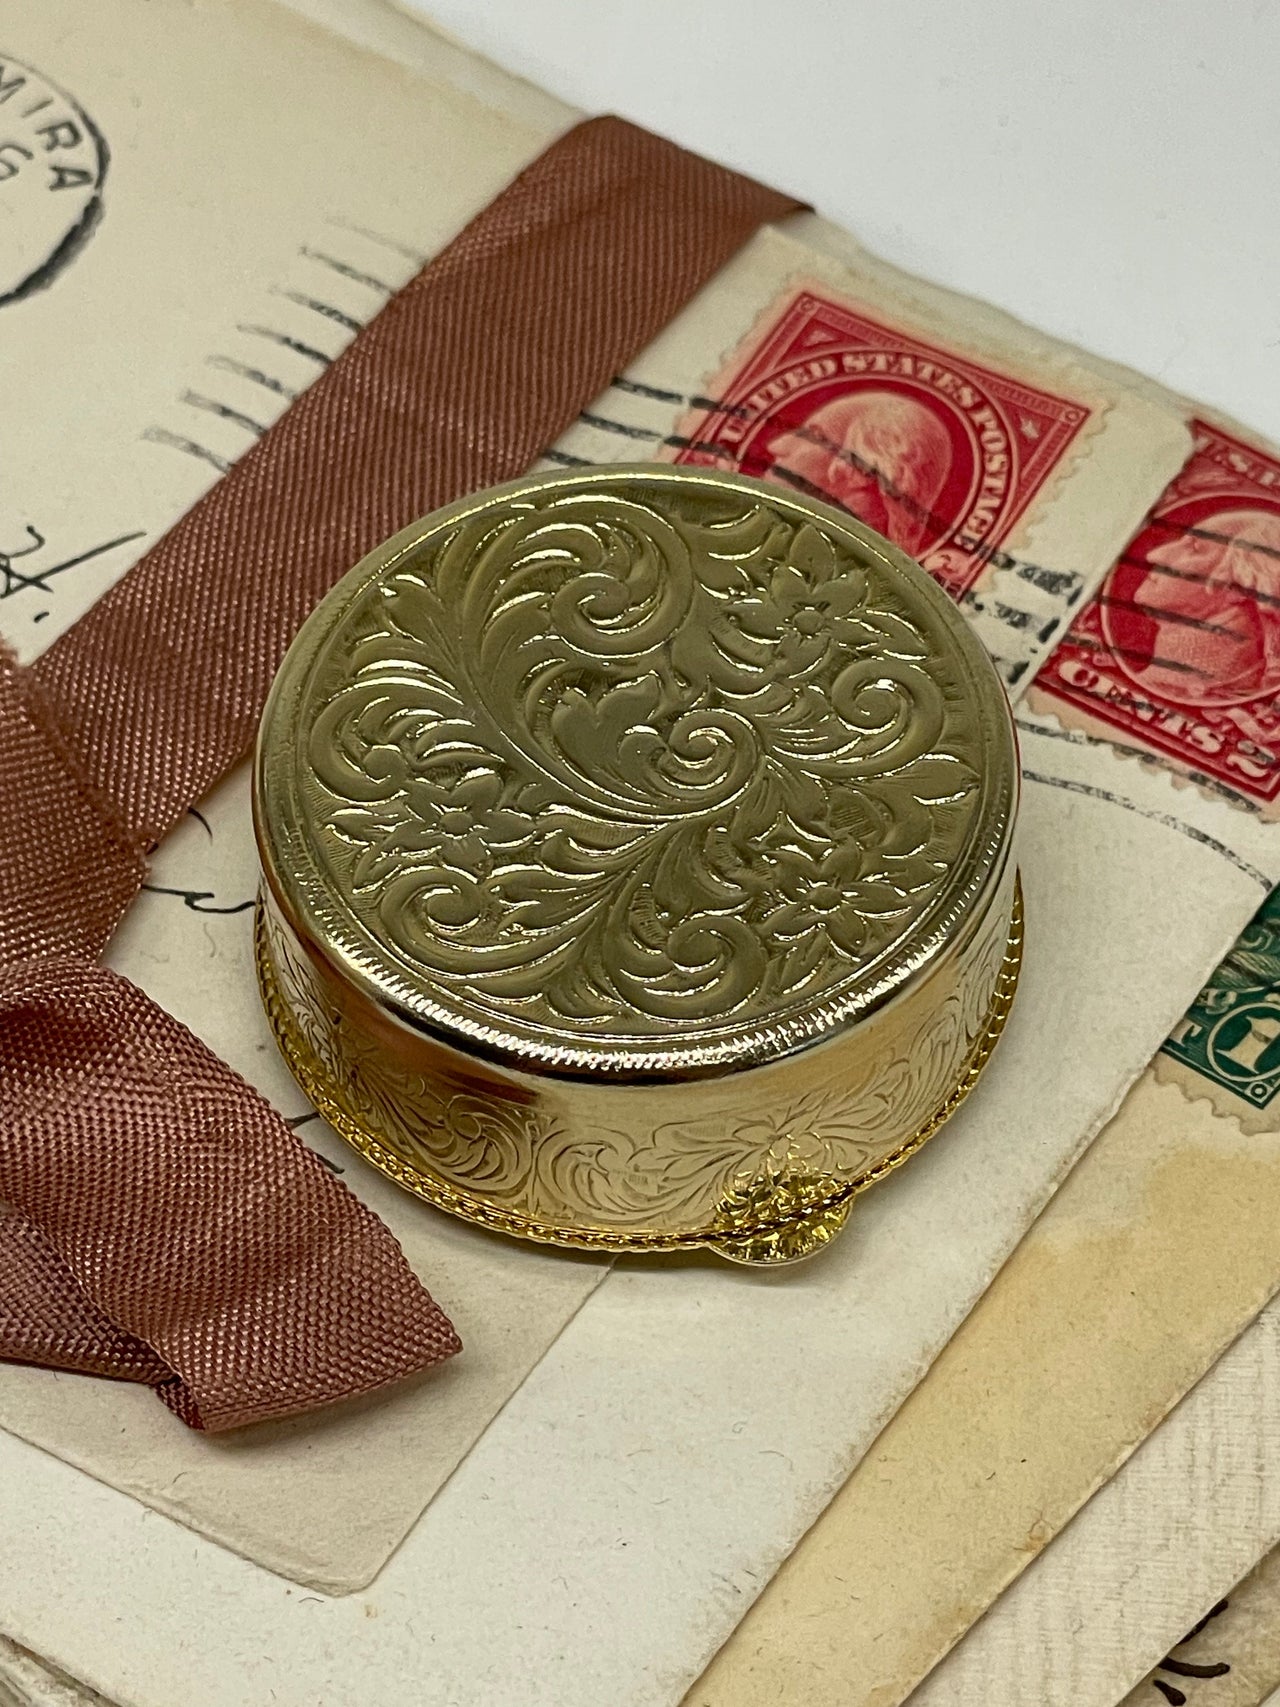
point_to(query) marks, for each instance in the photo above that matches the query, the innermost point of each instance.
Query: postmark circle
(53, 161)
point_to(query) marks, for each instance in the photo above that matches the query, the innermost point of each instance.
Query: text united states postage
(1178, 653)
(997, 458)
(943, 456)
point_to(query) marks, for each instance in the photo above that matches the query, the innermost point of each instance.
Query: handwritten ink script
(28, 565)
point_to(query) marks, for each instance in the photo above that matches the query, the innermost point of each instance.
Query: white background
(1107, 169)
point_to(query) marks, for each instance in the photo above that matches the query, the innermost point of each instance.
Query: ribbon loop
(163, 1223)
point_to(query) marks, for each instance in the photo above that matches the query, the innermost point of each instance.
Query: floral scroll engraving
(602, 767)
(534, 1175)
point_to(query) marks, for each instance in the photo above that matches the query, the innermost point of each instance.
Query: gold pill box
(637, 861)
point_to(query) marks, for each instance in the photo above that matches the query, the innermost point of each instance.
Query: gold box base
(771, 1222)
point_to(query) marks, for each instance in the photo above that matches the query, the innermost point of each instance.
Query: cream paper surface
(640, 1449)
(659, 1451)
(1158, 1250)
(1231, 1658)
(1117, 1590)
(1233, 1661)
(229, 218)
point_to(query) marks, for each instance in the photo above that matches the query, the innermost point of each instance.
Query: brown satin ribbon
(158, 1221)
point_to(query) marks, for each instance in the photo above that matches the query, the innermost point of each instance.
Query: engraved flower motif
(807, 608)
(824, 898)
(470, 817)
(807, 1138)
(454, 816)
(690, 768)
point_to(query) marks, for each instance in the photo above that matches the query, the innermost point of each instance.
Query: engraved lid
(635, 771)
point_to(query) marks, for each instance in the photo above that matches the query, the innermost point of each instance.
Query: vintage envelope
(182, 308)
(1231, 1656)
(1163, 1242)
(689, 1422)
(208, 301)
(1122, 1294)
(1116, 1590)
(994, 455)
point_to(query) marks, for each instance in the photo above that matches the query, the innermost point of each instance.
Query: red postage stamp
(1179, 649)
(937, 452)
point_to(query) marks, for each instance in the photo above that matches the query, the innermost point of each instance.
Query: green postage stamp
(1227, 1045)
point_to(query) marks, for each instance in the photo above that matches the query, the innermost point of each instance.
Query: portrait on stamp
(881, 454)
(937, 452)
(1201, 623)
(1179, 650)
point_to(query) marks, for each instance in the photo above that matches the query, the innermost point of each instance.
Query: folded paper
(1162, 1240)
(131, 714)
(723, 1469)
